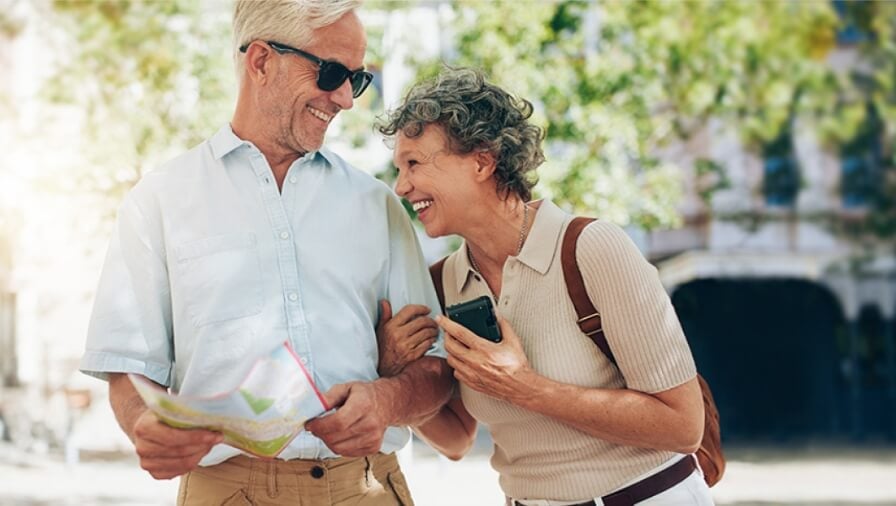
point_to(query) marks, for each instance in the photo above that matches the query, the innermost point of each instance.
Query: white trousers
(692, 491)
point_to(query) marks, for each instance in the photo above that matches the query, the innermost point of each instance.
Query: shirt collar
(538, 250)
(463, 269)
(543, 239)
(224, 141)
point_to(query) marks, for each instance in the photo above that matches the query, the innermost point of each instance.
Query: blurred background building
(746, 146)
(784, 276)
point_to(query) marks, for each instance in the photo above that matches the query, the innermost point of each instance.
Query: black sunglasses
(330, 74)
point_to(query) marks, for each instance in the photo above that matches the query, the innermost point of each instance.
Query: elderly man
(257, 236)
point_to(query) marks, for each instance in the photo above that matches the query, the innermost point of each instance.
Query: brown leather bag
(710, 456)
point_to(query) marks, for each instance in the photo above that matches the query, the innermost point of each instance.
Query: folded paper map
(261, 416)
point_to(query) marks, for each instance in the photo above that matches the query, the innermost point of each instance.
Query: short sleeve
(638, 318)
(409, 281)
(130, 326)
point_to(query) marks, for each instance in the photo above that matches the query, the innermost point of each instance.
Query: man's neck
(279, 159)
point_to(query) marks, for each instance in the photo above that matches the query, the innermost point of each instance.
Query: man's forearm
(418, 392)
(126, 402)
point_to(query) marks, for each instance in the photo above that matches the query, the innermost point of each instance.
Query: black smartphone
(478, 315)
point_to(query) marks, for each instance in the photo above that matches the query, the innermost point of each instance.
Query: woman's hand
(403, 338)
(500, 370)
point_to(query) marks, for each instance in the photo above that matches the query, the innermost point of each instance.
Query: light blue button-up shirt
(211, 267)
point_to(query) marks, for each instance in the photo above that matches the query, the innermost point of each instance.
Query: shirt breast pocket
(220, 278)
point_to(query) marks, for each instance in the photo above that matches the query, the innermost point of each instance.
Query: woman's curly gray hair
(476, 115)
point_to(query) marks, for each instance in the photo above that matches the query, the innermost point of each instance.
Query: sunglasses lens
(360, 81)
(331, 76)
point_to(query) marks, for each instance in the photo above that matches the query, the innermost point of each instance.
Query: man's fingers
(167, 468)
(332, 436)
(150, 428)
(335, 397)
(359, 445)
(330, 426)
(351, 431)
(343, 418)
(357, 427)
(146, 448)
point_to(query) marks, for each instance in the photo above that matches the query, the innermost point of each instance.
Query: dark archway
(874, 382)
(769, 351)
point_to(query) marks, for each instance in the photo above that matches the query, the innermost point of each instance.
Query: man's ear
(259, 62)
(485, 165)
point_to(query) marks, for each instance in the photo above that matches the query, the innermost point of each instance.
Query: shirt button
(284, 235)
(303, 360)
(293, 179)
(293, 297)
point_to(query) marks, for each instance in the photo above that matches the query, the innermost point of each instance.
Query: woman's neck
(496, 234)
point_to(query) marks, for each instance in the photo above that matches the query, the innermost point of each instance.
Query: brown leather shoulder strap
(589, 317)
(435, 271)
(710, 456)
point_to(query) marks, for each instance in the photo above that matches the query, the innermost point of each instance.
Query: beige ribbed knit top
(536, 456)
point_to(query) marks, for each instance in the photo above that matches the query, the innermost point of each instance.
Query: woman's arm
(669, 420)
(403, 339)
(451, 431)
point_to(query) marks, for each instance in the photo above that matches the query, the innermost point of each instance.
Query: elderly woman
(569, 427)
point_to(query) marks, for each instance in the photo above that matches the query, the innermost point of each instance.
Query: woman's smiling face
(438, 183)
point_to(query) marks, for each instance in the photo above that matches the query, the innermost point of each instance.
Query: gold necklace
(519, 247)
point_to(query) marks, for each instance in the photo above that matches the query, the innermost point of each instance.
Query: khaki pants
(366, 481)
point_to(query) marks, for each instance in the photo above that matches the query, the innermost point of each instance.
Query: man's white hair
(291, 22)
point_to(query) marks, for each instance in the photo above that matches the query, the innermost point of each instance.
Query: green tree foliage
(151, 78)
(872, 99)
(613, 82)
(616, 81)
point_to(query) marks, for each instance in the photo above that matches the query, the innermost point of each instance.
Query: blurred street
(747, 148)
(754, 477)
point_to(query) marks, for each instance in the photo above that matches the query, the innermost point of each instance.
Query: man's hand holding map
(261, 416)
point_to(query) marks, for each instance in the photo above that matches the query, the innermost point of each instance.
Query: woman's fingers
(459, 332)
(385, 313)
(420, 348)
(419, 324)
(410, 313)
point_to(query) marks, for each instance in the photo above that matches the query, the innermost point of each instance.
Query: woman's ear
(485, 165)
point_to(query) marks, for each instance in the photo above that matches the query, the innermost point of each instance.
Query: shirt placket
(287, 260)
(509, 282)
